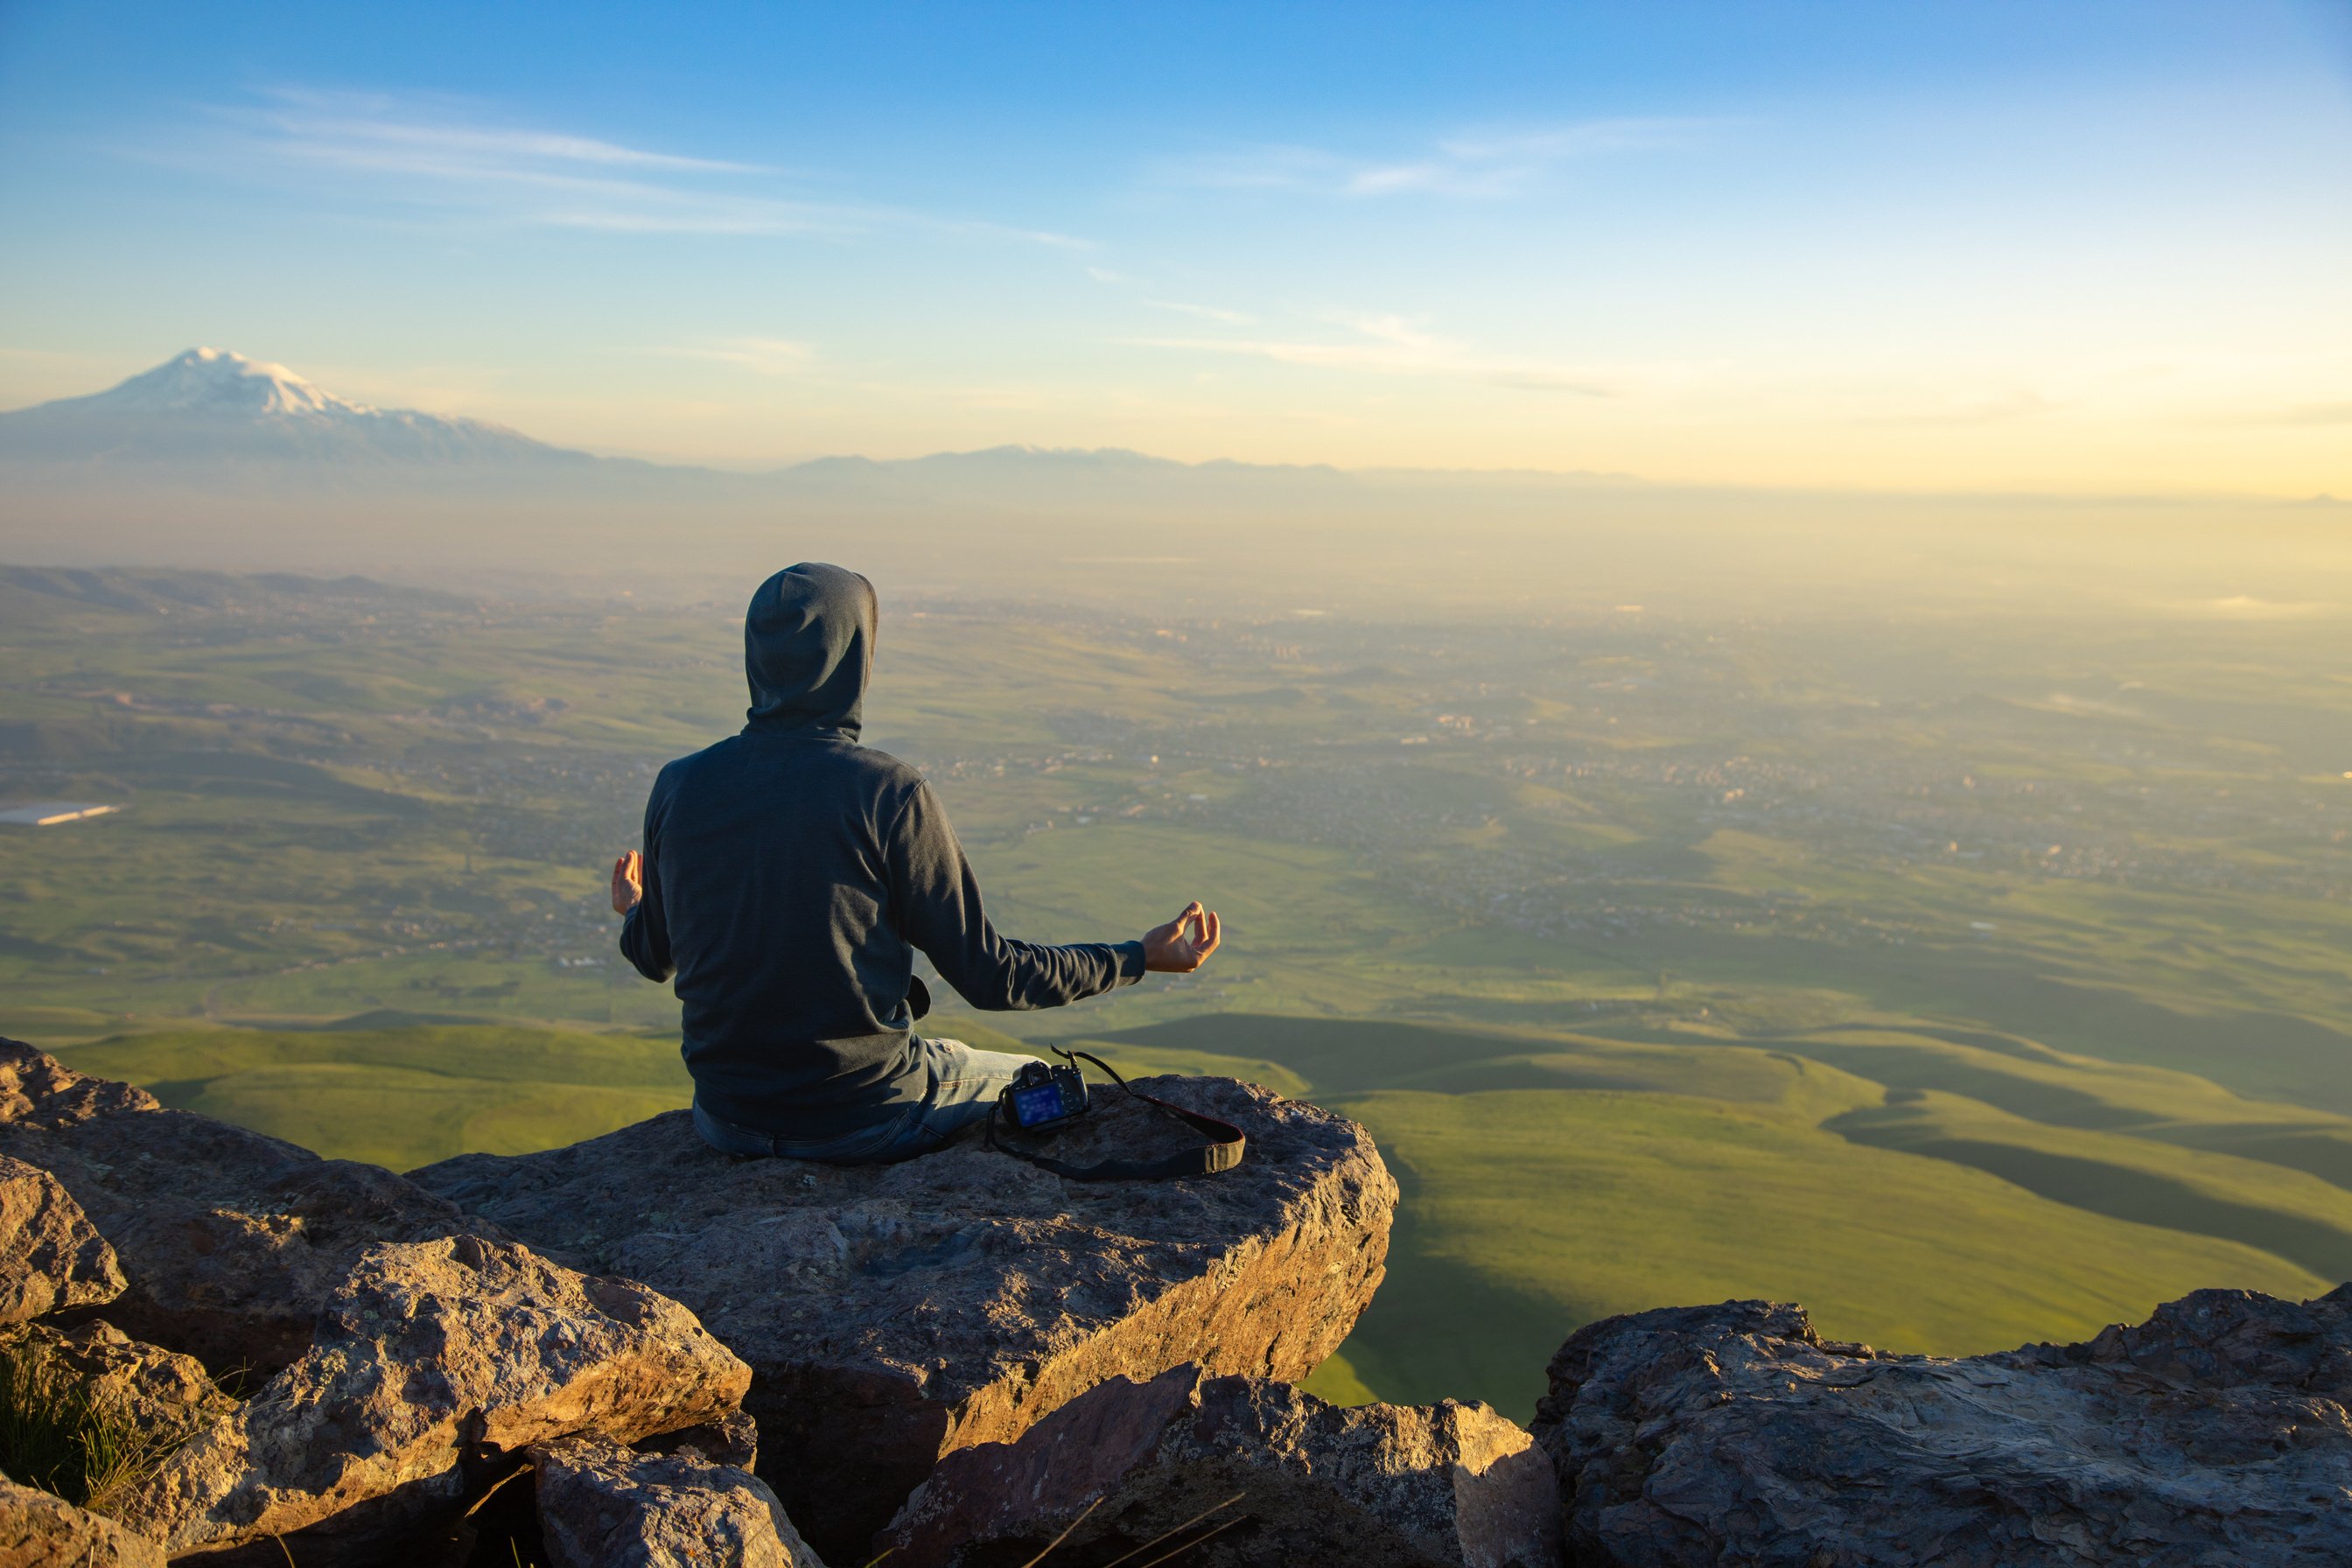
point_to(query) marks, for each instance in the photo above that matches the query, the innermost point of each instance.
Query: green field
(1971, 983)
(405, 1097)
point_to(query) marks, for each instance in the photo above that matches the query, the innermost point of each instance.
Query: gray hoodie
(791, 876)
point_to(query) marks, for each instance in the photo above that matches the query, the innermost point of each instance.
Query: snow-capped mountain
(215, 381)
(210, 404)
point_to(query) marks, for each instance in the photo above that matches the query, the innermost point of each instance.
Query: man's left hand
(1184, 943)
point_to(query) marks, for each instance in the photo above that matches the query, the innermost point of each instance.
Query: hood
(808, 648)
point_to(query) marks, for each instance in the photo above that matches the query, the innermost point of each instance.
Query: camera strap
(1222, 1152)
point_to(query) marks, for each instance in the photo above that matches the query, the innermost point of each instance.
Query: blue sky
(1982, 245)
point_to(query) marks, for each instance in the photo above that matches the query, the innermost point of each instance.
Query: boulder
(162, 1394)
(896, 1313)
(38, 1531)
(51, 1257)
(1240, 1471)
(430, 1367)
(230, 1240)
(2217, 1432)
(602, 1505)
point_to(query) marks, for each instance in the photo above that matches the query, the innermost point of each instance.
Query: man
(788, 878)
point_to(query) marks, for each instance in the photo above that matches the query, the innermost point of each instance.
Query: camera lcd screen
(1041, 1104)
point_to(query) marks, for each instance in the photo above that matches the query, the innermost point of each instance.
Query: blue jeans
(959, 1086)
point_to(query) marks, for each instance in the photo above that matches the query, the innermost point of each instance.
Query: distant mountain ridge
(212, 406)
(215, 460)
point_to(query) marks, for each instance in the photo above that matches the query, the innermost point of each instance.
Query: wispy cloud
(1392, 345)
(1205, 313)
(1404, 335)
(376, 131)
(450, 154)
(1480, 164)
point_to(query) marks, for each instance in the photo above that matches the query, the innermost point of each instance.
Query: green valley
(1971, 988)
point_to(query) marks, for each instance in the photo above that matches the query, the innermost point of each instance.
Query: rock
(432, 1364)
(1379, 1486)
(604, 1506)
(2216, 1433)
(40, 1091)
(731, 1439)
(895, 1313)
(38, 1531)
(51, 1257)
(230, 1240)
(161, 1393)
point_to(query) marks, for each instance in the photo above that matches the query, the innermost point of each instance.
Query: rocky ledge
(230, 1241)
(419, 1353)
(2219, 1432)
(432, 1367)
(894, 1314)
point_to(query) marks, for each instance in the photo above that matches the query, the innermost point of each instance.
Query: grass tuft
(58, 1436)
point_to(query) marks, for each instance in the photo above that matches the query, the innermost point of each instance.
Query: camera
(1041, 1096)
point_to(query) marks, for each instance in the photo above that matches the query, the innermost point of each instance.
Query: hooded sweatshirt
(792, 875)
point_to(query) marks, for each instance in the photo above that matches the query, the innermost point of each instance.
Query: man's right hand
(628, 883)
(1184, 943)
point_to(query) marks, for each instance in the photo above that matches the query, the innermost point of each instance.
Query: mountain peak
(214, 405)
(219, 380)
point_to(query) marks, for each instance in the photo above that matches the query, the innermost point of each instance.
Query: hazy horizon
(1041, 450)
(214, 462)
